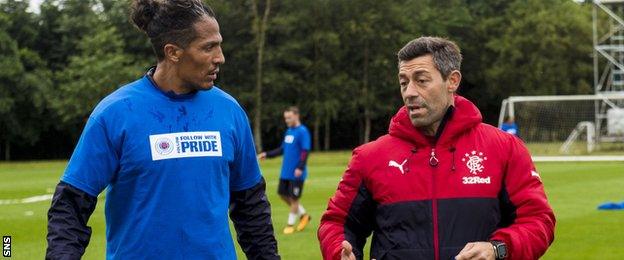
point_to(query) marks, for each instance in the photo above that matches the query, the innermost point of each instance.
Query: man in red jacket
(441, 184)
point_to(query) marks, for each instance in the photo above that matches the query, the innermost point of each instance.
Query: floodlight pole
(608, 57)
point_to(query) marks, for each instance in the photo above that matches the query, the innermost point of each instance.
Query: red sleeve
(303, 159)
(334, 228)
(532, 229)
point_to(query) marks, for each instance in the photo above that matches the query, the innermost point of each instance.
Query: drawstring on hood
(452, 150)
(414, 150)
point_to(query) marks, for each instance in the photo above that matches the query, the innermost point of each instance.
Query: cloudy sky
(34, 5)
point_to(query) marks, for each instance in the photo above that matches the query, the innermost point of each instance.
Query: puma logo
(393, 163)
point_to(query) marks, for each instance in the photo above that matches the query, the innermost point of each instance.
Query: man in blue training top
(509, 126)
(175, 153)
(296, 148)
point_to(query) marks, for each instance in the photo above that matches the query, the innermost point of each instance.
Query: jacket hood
(464, 117)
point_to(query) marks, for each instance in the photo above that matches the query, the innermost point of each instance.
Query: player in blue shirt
(510, 126)
(295, 148)
(174, 152)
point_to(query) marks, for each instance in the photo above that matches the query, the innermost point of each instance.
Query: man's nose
(411, 91)
(219, 58)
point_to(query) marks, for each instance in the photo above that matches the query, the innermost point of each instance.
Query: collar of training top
(463, 116)
(150, 75)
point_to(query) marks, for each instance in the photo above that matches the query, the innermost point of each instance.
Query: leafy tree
(115, 13)
(335, 59)
(10, 70)
(24, 80)
(99, 68)
(259, 30)
(539, 51)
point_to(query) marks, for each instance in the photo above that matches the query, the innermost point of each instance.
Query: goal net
(568, 128)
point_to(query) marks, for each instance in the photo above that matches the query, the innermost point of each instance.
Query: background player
(296, 148)
(509, 125)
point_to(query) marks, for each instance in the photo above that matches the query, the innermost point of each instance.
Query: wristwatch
(500, 249)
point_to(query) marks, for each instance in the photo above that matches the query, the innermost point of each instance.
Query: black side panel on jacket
(404, 231)
(360, 221)
(508, 209)
(465, 219)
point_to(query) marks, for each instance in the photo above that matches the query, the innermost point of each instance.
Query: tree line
(335, 59)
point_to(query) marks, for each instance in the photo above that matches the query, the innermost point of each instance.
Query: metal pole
(596, 68)
(503, 110)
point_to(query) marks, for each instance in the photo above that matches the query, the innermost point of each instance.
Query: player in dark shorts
(295, 148)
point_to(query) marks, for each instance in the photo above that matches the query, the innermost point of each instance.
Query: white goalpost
(580, 127)
(569, 127)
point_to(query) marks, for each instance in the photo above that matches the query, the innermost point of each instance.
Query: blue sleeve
(244, 172)
(94, 161)
(305, 141)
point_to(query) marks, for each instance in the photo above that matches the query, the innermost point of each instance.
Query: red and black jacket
(426, 200)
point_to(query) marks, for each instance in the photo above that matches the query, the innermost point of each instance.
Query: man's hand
(298, 172)
(477, 251)
(261, 156)
(347, 251)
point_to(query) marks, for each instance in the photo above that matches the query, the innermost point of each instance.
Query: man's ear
(173, 53)
(454, 79)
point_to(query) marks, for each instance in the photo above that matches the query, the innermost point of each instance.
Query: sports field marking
(32, 199)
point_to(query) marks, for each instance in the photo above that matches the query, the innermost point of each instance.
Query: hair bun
(143, 12)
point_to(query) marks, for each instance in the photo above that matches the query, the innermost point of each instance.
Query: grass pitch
(574, 190)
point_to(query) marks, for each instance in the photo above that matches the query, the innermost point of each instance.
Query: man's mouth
(415, 110)
(213, 75)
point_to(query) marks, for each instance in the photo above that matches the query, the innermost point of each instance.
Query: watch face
(502, 251)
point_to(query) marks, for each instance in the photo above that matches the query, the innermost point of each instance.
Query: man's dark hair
(446, 55)
(293, 109)
(169, 21)
(508, 119)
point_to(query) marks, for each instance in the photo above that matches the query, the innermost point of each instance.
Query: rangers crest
(474, 161)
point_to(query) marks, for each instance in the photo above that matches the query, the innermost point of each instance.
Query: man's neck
(431, 130)
(166, 80)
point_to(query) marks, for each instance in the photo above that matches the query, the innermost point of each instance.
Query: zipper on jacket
(433, 162)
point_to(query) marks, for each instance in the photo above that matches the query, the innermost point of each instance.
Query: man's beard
(429, 118)
(196, 87)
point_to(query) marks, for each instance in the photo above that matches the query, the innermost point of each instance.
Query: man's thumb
(346, 247)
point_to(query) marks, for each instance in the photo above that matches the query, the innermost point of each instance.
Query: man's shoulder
(304, 129)
(379, 145)
(122, 97)
(224, 101)
(492, 131)
(494, 136)
(223, 97)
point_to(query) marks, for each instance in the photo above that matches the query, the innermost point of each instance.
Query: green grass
(577, 148)
(574, 190)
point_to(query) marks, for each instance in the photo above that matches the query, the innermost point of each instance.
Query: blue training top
(296, 140)
(169, 162)
(511, 128)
